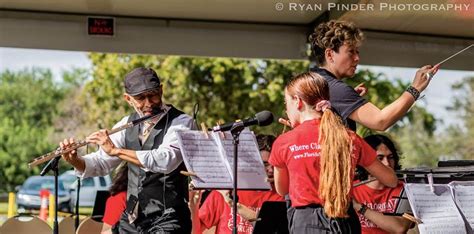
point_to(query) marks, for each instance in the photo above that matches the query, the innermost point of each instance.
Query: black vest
(154, 192)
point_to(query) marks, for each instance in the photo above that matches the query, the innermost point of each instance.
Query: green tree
(225, 88)
(459, 138)
(70, 120)
(27, 107)
(419, 145)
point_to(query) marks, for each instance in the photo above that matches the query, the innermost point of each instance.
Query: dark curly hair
(374, 141)
(120, 180)
(332, 35)
(265, 142)
(377, 139)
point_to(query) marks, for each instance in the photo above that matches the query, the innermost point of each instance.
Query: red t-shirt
(298, 150)
(379, 200)
(114, 208)
(216, 212)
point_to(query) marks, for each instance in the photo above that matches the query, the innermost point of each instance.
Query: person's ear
(127, 98)
(299, 102)
(329, 55)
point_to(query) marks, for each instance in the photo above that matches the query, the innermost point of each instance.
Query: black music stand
(236, 129)
(53, 165)
(272, 218)
(99, 205)
(403, 205)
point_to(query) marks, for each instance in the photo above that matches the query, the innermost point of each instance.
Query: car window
(102, 182)
(42, 183)
(68, 180)
(33, 185)
(87, 182)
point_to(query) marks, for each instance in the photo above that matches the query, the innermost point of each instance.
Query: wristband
(413, 91)
(362, 209)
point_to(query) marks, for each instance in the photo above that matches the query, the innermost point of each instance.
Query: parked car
(28, 195)
(68, 178)
(89, 188)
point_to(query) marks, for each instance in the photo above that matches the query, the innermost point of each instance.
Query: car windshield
(68, 180)
(42, 183)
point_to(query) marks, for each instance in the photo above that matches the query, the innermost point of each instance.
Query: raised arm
(164, 159)
(372, 117)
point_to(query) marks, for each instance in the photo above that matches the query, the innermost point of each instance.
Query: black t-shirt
(344, 99)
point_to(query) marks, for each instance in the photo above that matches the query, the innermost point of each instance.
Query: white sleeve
(99, 163)
(167, 157)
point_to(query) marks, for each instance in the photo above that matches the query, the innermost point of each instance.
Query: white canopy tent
(246, 28)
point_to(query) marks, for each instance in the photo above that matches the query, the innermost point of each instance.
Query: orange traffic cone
(44, 196)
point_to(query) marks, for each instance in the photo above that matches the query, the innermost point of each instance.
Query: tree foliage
(225, 89)
(28, 101)
(459, 138)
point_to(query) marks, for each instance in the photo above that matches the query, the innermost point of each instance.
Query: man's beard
(154, 110)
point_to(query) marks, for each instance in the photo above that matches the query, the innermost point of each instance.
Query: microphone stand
(76, 219)
(53, 165)
(235, 130)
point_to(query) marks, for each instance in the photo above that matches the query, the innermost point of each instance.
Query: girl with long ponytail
(315, 161)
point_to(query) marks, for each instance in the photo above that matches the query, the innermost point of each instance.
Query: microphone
(262, 118)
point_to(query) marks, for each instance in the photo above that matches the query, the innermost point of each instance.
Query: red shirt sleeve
(114, 208)
(367, 154)
(211, 210)
(277, 157)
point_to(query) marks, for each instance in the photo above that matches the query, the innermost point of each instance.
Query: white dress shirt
(165, 159)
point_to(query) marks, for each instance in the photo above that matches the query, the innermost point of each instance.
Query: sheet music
(463, 193)
(438, 213)
(201, 155)
(251, 171)
(211, 158)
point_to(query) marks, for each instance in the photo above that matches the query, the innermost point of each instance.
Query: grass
(3, 207)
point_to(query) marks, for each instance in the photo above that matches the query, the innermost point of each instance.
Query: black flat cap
(141, 80)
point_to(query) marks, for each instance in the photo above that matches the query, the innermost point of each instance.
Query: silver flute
(58, 152)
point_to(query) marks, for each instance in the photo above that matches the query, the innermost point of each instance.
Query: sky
(438, 95)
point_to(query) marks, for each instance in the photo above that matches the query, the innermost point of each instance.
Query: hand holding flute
(100, 138)
(71, 156)
(68, 146)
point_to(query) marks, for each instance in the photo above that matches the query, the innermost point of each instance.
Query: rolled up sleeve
(167, 157)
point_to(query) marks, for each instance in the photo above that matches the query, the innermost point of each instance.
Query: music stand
(99, 205)
(403, 206)
(272, 218)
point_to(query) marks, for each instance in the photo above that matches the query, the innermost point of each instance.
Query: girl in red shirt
(315, 161)
(116, 203)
